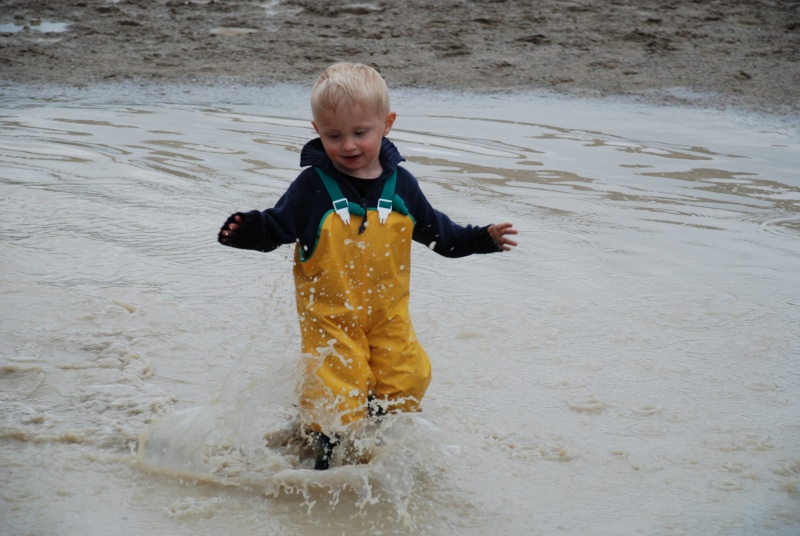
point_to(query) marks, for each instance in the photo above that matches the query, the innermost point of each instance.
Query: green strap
(330, 184)
(388, 186)
(398, 205)
(336, 194)
(388, 198)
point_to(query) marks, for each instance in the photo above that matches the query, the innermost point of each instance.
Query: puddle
(41, 26)
(232, 31)
(626, 369)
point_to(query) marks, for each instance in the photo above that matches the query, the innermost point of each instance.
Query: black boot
(376, 408)
(323, 450)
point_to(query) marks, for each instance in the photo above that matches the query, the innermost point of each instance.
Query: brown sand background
(742, 54)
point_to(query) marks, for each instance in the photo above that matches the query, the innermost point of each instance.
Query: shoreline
(721, 54)
(235, 93)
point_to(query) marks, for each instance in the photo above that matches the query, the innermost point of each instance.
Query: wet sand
(739, 54)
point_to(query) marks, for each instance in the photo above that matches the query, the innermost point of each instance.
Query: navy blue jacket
(297, 214)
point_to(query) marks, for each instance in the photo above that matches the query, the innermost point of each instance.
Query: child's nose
(349, 143)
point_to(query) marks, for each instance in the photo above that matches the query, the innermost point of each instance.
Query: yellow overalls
(352, 296)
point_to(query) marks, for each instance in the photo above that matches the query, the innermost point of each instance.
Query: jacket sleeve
(266, 230)
(441, 234)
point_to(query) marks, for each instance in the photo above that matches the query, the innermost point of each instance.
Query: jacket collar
(313, 154)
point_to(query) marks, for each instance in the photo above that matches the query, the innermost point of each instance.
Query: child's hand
(498, 233)
(246, 230)
(225, 235)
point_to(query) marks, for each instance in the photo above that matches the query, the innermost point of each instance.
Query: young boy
(353, 213)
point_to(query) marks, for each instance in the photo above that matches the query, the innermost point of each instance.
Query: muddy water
(631, 368)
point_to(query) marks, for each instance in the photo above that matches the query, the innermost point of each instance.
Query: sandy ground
(724, 53)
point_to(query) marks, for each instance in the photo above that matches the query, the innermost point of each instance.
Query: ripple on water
(560, 304)
(730, 521)
(554, 240)
(765, 393)
(696, 308)
(740, 442)
(589, 404)
(788, 226)
(195, 147)
(757, 272)
(728, 394)
(761, 386)
(735, 467)
(688, 458)
(669, 528)
(773, 400)
(669, 517)
(727, 485)
(650, 429)
(589, 261)
(564, 383)
(719, 376)
(646, 411)
(20, 380)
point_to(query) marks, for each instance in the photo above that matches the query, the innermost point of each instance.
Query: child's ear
(314, 124)
(389, 122)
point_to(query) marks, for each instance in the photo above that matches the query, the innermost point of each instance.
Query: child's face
(352, 138)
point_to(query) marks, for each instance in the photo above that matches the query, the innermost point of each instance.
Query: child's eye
(333, 136)
(361, 132)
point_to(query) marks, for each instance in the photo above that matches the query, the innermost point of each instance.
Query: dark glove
(248, 232)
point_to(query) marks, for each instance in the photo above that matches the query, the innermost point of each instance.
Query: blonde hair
(350, 83)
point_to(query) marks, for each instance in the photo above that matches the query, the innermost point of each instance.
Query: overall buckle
(384, 209)
(342, 208)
